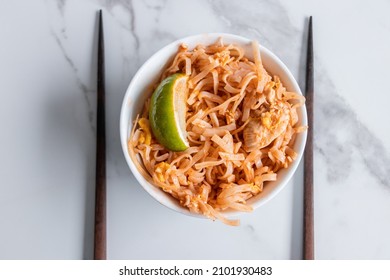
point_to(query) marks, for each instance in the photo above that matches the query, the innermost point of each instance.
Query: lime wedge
(167, 112)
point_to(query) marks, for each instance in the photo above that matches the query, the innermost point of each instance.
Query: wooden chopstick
(100, 195)
(308, 252)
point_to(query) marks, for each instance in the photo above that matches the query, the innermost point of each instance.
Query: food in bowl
(216, 129)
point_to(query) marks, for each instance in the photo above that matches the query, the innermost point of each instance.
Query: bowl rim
(124, 122)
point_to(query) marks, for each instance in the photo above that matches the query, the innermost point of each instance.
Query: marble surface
(47, 145)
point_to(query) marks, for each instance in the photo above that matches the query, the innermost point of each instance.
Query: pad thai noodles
(241, 124)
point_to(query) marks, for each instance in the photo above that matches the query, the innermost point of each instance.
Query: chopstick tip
(100, 18)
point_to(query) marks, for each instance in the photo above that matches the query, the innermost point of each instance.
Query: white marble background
(47, 112)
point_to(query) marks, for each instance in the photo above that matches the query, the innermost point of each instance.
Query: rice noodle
(241, 125)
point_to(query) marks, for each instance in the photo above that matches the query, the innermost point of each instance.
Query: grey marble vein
(61, 6)
(132, 26)
(374, 154)
(128, 6)
(252, 232)
(83, 87)
(157, 5)
(256, 24)
(339, 133)
(59, 35)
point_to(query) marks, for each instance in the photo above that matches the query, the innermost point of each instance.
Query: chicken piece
(260, 132)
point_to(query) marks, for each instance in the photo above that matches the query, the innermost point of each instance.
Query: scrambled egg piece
(266, 120)
(255, 189)
(230, 117)
(146, 136)
(160, 169)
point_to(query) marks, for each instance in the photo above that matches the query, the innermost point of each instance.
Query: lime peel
(167, 112)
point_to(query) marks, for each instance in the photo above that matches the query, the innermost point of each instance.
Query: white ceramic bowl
(141, 87)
